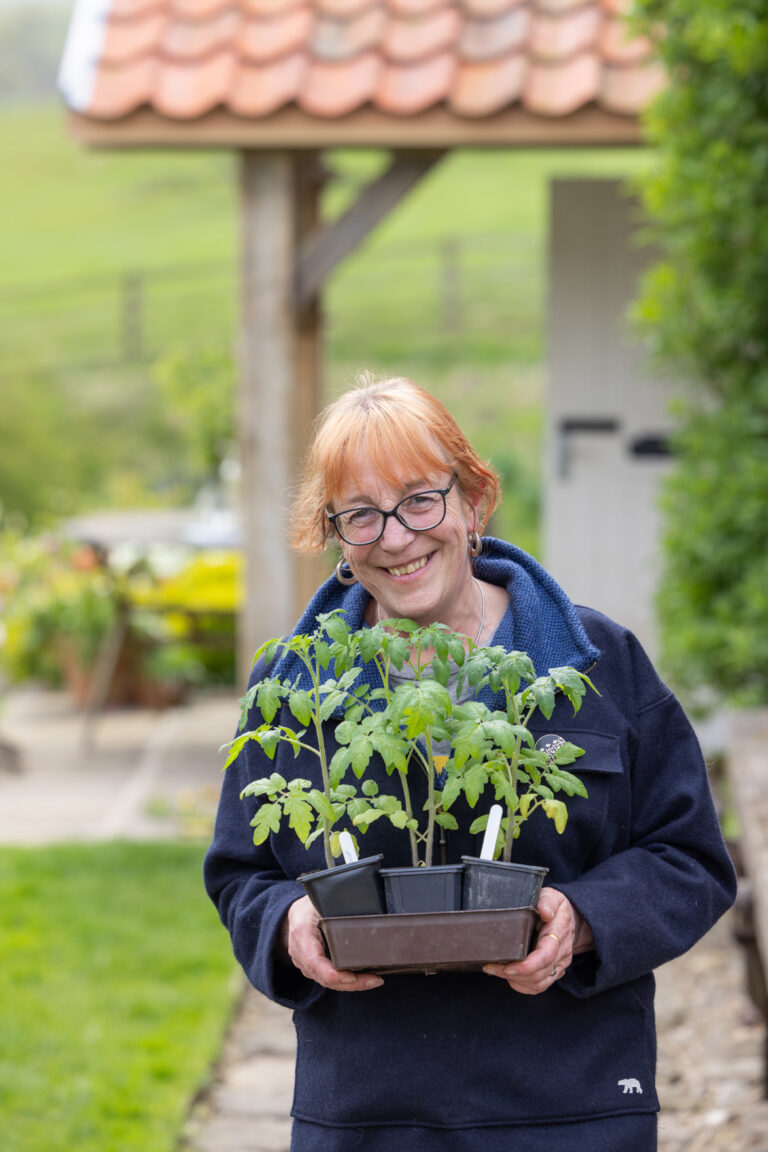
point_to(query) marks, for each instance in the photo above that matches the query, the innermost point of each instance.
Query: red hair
(401, 431)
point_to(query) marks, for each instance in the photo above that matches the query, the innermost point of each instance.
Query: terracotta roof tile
(482, 89)
(258, 92)
(328, 58)
(406, 89)
(265, 39)
(142, 37)
(556, 90)
(408, 39)
(185, 90)
(342, 9)
(132, 9)
(554, 38)
(497, 36)
(334, 39)
(481, 9)
(334, 89)
(623, 90)
(118, 92)
(410, 9)
(192, 40)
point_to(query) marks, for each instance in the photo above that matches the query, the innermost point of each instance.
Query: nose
(395, 534)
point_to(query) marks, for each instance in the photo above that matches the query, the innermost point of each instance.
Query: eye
(360, 517)
(421, 502)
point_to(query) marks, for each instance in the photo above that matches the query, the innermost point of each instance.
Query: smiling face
(425, 576)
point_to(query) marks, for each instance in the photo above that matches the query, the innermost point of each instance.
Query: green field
(113, 260)
(118, 983)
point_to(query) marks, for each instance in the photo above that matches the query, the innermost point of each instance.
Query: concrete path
(158, 774)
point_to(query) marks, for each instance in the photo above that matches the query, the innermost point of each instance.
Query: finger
(315, 965)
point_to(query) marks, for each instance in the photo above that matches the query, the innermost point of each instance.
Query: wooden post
(266, 397)
(308, 184)
(280, 389)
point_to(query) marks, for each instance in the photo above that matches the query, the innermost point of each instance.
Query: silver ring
(554, 969)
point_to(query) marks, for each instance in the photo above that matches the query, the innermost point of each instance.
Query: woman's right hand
(303, 942)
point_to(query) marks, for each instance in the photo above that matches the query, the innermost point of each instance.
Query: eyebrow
(421, 485)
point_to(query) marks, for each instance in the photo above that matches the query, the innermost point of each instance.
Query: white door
(607, 417)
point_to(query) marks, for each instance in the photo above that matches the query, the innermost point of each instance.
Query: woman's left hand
(563, 933)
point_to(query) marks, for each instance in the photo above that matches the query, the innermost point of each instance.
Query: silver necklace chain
(482, 610)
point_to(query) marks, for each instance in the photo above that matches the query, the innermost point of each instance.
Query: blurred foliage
(703, 309)
(198, 388)
(60, 600)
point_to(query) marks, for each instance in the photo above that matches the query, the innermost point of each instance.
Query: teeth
(414, 567)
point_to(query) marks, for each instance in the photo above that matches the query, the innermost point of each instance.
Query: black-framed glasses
(418, 512)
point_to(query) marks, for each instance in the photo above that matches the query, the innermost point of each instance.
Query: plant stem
(430, 801)
(322, 755)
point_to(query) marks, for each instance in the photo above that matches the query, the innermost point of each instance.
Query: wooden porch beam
(328, 244)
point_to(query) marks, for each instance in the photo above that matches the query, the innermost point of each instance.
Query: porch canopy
(282, 80)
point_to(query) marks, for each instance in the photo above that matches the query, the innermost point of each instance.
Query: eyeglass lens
(419, 512)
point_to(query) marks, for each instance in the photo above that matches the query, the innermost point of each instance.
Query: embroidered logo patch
(631, 1085)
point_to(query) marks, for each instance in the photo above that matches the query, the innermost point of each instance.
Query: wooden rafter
(328, 244)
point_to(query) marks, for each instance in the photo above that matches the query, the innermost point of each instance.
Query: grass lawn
(118, 982)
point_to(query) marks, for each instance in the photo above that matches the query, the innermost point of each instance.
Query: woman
(556, 1051)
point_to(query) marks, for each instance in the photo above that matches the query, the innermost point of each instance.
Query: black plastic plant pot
(352, 889)
(496, 884)
(430, 942)
(435, 889)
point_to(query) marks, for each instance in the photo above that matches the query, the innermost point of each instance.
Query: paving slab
(136, 773)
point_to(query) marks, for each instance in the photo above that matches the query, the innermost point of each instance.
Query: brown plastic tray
(429, 941)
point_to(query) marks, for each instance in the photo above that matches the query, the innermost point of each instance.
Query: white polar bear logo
(631, 1085)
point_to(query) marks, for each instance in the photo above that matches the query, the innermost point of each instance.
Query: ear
(475, 503)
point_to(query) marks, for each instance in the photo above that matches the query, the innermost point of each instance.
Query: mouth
(407, 569)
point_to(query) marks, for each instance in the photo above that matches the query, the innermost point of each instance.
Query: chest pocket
(601, 769)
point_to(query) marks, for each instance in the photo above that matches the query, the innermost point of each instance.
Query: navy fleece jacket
(642, 859)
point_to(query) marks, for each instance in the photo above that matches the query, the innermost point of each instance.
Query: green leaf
(266, 820)
(557, 811)
(370, 643)
(321, 805)
(235, 747)
(446, 820)
(450, 792)
(543, 692)
(322, 654)
(337, 629)
(268, 697)
(361, 751)
(473, 782)
(300, 815)
(367, 817)
(261, 787)
(269, 741)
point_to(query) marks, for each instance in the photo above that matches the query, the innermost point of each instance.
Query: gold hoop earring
(475, 542)
(345, 577)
